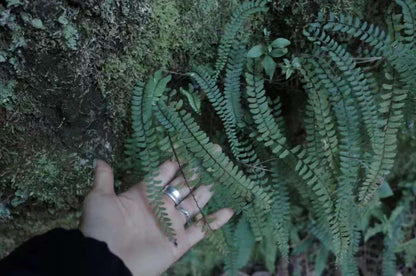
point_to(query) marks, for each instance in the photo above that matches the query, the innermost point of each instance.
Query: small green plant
(267, 53)
(289, 196)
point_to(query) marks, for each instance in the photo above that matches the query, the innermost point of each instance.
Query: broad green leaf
(256, 51)
(289, 73)
(245, 240)
(280, 43)
(276, 53)
(161, 86)
(193, 99)
(296, 63)
(385, 190)
(320, 260)
(269, 66)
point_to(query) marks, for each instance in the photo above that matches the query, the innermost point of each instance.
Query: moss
(177, 35)
(56, 179)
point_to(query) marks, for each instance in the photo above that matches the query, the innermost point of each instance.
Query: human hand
(130, 229)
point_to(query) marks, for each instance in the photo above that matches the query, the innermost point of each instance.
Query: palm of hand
(128, 226)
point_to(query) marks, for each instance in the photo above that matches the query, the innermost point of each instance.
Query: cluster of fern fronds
(334, 180)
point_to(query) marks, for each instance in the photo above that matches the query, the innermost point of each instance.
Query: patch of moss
(59, 180)
(178, 35)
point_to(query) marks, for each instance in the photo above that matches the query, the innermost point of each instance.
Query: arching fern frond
(320, 114)
(271, 136)
(242, 245)
(353, 26)
(218, 101)
(233, 27)
(409, 20)
(280, 214)
(349, 153)
(143, 147)
(229, 110)
(385, 151)
(239, 187)
(232, 90)
(354, 77)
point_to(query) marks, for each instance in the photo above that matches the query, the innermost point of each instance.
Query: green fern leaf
(233, 27)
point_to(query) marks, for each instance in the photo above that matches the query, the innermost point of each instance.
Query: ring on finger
(185, 212)
(173, 193)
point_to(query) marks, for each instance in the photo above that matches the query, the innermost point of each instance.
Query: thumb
(103, 178)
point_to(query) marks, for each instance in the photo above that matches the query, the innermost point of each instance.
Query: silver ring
(173, 193)
(185, 212)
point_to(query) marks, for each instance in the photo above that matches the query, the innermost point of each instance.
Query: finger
(103, 178)
(197, 200)
(197, 231)
(184, 186)
(166, 173)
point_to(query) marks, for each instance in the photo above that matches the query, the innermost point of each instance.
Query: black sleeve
(62, 252)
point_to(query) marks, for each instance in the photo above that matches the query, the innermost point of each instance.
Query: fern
(221, 168)
(392, 239)
(242, 244)
(271, 136)
(280, 214)
(354, 78)
(289, 196)
(143, 147)
(320, 115)
(369, 33)
(232, 91)
(225, 107)
(409, 17)
(219, 103)
(385, 151)
(232, 28)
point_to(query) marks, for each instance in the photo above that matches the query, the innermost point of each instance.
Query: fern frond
(314, 140)
(219, 103)
(229, 110)
(323, 234)
(280, 214)
(242, 245)
(409, 20)
(238, 18)
(349, 152)
(385, 150)
(232, 91)
(266, 125)
(238, 186)
(268, 248)
(271, 136)
(353, 26)
(321, 114)
(144, 144)
(354, 77)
